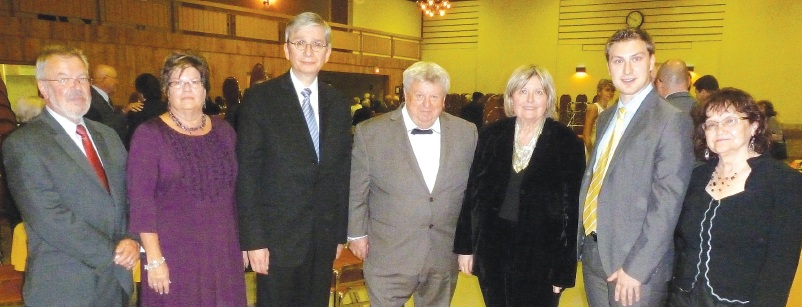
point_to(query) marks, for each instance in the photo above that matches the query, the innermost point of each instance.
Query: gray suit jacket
(407, 226)
(73, 223)
(642, 192)
(682, 100)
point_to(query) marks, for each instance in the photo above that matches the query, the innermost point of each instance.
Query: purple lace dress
(182, 188)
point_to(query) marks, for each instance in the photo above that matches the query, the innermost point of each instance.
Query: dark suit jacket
(407, 226)
(102, 111)
(682, 100)
(287, 200)
(545, 246)
(642, 192)
(73, 223)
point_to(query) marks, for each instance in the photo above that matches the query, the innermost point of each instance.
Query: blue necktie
(309, 114)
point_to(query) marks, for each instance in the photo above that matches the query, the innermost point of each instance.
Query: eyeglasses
(301, 45)
(69, 81)
(727, 122)
(179, 84)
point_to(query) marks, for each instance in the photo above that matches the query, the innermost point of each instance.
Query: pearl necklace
(189, 130)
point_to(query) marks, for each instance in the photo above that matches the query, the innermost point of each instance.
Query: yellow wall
(759, 51)
(394, 16)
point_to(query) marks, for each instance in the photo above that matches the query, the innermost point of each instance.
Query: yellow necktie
(592, 198)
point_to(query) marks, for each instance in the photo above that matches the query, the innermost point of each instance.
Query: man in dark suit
(104, 84)
(673, 82)
(293, 146)
(67, 175)
(403, 211)
(633, 188)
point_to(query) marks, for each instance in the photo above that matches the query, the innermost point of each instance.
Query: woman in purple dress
(181, 179)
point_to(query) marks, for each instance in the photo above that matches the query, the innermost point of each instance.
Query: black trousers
(504, 286)
(306, 285)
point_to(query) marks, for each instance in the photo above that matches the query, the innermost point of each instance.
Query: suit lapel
(297, 112)
(68, 145)
(446, 143)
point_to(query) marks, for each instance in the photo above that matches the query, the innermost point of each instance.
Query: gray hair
(29, 107)
(518, 80)
(60, 50)
(307, 19)
(427, 72)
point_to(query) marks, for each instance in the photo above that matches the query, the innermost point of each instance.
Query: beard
(73, 105)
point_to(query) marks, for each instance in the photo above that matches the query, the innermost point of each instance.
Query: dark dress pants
(306, 285)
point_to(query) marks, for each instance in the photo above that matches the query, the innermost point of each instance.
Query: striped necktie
(309, 114)
(592, 198)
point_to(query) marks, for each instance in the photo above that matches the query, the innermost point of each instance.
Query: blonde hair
(518, 80)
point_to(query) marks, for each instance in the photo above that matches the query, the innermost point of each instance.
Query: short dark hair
(707, 83)
(231, 91)
(477, 95)
(148, 85)
(768, 108)
(629, 34)
(181, 60)
(742, 102)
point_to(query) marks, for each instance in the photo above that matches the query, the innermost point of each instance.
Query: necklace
(718, 182)
(188, 129)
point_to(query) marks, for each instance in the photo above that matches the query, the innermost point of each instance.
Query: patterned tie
(91, 155)
(592, 199)
(309, 114)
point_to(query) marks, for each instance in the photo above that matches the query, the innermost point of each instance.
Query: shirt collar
(102, 93)
(409, 124)
(299, 86)
(632, 106)
(65, 123)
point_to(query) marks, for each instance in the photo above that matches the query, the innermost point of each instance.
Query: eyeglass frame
(63, 81)
(723, 123)
(300, 45)
(179, 84)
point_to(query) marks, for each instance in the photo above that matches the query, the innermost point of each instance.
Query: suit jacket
(73, 223)
(407, 226)
(545, 240)
(102, 111)
(682, 100)
(288, 201)
(642, 192)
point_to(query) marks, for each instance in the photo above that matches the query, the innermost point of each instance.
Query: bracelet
(154, 264)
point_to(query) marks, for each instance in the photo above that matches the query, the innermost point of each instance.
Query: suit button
(430, 226)
(431, 199)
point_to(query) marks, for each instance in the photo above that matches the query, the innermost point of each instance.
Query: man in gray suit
(673, 82)
(67, 176)
(632, 191)
(409, 170)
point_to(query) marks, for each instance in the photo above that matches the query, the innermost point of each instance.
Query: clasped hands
(126, 253)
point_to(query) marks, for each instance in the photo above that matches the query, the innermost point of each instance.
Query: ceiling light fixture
(434, 7)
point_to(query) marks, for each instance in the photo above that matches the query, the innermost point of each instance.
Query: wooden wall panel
(374, 44)
(670, 21)
(406, 49)
(153, 13)
(258, 28)
(344, 40)
(74, 8)
(204, 21)
(458, 29)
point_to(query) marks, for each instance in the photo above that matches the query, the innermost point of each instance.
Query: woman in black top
(739, 234)
(517, 228)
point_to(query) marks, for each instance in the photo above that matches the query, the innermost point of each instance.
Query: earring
(707, 154)
(752, 144)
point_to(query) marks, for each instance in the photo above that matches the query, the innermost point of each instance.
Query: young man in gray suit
(635, 183)
(67, 175)
(409, 170)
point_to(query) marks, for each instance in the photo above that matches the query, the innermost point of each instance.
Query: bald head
(105, 78)
(673, 76)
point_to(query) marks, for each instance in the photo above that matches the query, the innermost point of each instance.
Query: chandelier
(434, 7)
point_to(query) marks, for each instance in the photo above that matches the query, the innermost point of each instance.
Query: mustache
(76, 94)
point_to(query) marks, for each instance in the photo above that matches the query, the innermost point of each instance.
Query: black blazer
(547, 217)
(756, 234)
(102, 111)
(288, 201)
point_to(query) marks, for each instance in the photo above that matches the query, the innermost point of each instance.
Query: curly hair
(740, 102)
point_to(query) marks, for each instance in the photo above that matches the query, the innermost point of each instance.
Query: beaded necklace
(189, 130)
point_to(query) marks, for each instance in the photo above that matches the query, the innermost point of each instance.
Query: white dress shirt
(426, 148)
(299, 87)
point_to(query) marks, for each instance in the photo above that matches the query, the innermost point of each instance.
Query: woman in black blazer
(517, 229)
(740, 231)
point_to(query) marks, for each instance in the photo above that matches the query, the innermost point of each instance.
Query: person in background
(232, 97)
(67, 176)
(673, 83)
(474, 111)
(181, 179)
(153, 106)
(778, 148)
(104, 84)
(27, 108)
(517, 228)
(410, 202)
(740, 232)
(704, 86)
(632, 191)
(356, 104)
(605, 90)
(293, 146)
